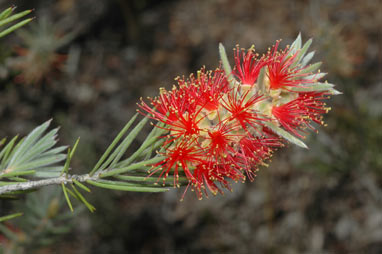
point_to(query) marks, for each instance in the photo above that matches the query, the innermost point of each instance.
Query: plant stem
(51, 181)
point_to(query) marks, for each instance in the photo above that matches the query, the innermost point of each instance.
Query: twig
(39, 183)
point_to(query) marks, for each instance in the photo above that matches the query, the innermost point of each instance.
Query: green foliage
(226, 65)
(11, 216)
(285, 135)
(98, 166)
(302, 60)
(317, 87)
(111, 163)
(34, 155)
(7, 17)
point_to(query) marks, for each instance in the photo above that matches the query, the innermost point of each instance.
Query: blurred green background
(85, 63)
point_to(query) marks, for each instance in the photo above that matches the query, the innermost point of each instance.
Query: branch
(40, 183)
(36, 156)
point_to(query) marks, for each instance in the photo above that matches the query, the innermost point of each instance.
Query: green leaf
(34, 152)
(15, 27)
(157, 144)
(307, 58)
(260, 81)
(48, 174)
(40, 146)
(124, 187)
(124, 183)
(313, 87)
(335, 92)
(316, 76)
(112, 145)
(150, 140)
(82, 198)
(317, 87)
(223, 56)
(27, 143)
(67, 197)
(71, 193)
(13, 151)
(5, 14)
(226, 66)
(14, 17)
(311, 68)
(296, 45)
(18, 192)
(69, 157)
(41, 162)
(128, 140)
(82, 186)
(6, 151)
(3, 183)
(17, 179)
(56, 150)
(301, 53)
(17, 173)
(138, 165)
(285, 134)
(151, 179)
(11, 216)
(121, 149)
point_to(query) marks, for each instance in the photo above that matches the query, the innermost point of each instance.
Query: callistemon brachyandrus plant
(222, 124)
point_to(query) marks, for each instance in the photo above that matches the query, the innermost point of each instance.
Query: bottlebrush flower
(254, 151)
(298, 114)
(182, 155)
(283, 70)
(220, 130)
(207, 176)
(248, 66)
(242, 108)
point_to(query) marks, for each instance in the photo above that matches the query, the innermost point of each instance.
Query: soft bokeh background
(85, 63)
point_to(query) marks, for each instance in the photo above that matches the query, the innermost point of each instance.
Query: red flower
(248, 66)
(181, 108)
(217, 132)
(208, 176)
(296, 115)
(184, 155)
(206, 123)
(177, 113)
(284, 72)
(241, 106)
(220, 139)
(209, 87)
(254, 151)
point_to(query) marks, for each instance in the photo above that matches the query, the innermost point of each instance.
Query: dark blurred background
(85, 63)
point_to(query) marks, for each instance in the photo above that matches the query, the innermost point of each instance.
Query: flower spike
(220, 131)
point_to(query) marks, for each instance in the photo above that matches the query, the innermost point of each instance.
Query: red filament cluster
(217, 124)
